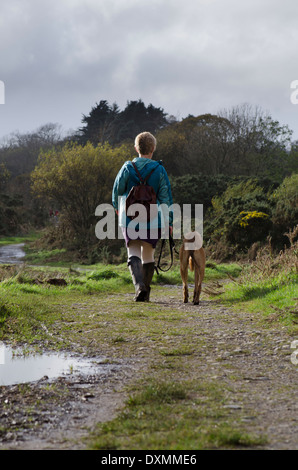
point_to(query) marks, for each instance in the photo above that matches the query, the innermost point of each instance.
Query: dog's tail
(191, 263)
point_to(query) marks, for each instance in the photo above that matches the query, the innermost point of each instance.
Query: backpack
(142, 194)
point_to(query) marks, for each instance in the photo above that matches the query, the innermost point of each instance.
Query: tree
(209, 143)
(197, 145)
(4, 175)
(11, 213)
(21, 151)
(293, 158)
(100, 124)
(19, 154)
(171, 149)
(260, 143)
(136, 118)
(107, 123)
(77, 179)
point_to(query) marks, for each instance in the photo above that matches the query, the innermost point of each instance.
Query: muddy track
(251, 363)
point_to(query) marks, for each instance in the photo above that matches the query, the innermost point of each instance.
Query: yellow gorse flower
(248, 216)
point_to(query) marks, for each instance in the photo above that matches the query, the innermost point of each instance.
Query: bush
(12, 219)
(238, 218)
(198, 189)
(77, 179)
(285, 212)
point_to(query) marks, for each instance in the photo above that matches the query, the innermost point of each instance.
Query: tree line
(232, 162)
(240, 141)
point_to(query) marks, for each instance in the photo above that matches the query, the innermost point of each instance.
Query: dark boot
(148, 270)
(136, 271)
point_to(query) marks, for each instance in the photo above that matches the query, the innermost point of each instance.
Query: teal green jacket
(127, 178)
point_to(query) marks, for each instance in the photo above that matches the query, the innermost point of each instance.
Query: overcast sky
(58, 58)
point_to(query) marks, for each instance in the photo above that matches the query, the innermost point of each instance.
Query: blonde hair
(145, 143)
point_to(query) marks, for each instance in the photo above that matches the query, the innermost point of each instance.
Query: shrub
(239, 217)
(285, 212)
(77, 179)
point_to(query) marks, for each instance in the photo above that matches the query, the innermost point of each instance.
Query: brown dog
(192, 255)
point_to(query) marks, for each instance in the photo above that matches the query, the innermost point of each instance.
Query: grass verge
(19, 239)
(268, 285)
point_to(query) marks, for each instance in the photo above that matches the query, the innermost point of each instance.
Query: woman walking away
(141, 247)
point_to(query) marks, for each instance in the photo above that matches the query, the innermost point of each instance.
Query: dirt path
(250, 362)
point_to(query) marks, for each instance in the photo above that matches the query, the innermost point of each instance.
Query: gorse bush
(200, 189)
(248, 212)
(248, 217)
(239, 217)
(285, 207)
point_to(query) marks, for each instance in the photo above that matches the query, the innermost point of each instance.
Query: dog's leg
(184, 277)
(197, 290)
(185, 293)
(184, 273)
(199, 258)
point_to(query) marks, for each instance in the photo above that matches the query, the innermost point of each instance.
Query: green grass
(164, 410)
(19, 239)
(172, 407)
(171, 415)
(158, 393)
(43, 256)
(276, 296)
(101, 277)
(213, 271)
(60, 258)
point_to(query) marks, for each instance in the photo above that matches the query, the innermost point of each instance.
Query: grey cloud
(59, 58)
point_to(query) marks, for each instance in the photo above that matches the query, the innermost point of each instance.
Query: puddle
(12, 254)
(16, 368)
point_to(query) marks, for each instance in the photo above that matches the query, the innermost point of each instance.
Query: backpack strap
(143, 180)
(138, 173)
